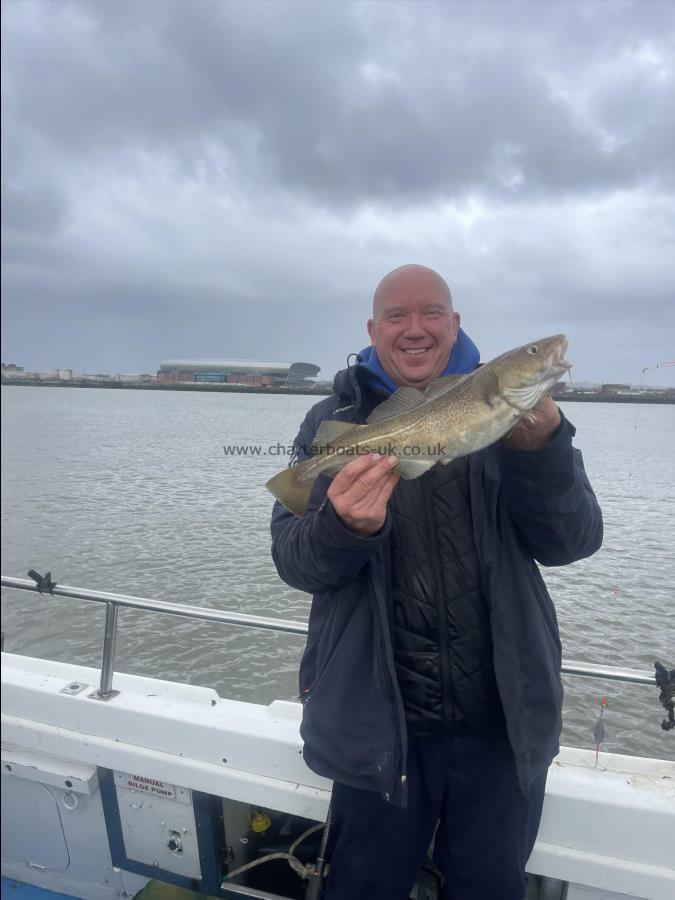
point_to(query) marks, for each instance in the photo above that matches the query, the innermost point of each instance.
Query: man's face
(414, 329)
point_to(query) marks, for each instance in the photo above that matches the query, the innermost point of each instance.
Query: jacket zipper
(399, 782)
(399, 785)
(444, 654)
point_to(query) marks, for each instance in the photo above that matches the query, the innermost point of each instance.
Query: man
(431, 676)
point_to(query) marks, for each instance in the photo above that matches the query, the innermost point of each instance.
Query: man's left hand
(534, 431)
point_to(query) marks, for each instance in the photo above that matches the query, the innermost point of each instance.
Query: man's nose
(414, 326)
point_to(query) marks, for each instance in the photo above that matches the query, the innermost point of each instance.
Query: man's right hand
(359, 492)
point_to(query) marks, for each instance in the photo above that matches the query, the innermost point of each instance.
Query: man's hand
(359, 492)
(535, 433)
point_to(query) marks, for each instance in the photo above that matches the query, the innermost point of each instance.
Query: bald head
(410, 280)
(414, 327)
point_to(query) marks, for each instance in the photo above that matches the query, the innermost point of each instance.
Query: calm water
(131, 492)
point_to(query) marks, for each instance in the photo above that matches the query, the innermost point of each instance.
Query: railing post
(105, 691)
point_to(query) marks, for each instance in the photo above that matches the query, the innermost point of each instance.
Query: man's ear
(456, 320)
(371, 328)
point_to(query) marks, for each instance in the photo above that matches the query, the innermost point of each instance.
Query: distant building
(10, 370)
(237, 371)
(99, 377)
(60, 374)
(614, 388)
(558, 389)
(134, 378)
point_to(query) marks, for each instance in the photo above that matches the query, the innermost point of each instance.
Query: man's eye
(433, 314)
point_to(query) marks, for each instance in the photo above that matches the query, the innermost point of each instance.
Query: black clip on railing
(44, 582)
(105, 692)
(665, 681)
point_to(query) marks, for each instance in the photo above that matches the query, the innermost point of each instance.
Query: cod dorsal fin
(405, 399)
(486, 384)
(329, 432)
(441, 385)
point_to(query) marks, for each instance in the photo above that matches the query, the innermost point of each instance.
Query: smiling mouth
(415, 351)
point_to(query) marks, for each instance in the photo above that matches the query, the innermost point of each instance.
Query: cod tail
(293, 487)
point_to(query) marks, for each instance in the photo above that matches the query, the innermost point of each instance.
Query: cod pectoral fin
(486, 384)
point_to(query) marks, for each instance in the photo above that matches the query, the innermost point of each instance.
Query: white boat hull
(606, 831)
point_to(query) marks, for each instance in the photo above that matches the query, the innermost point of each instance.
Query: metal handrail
(613, 673)
(161, 606)
(114, 601)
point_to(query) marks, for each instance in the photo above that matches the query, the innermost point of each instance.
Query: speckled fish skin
(454, 417)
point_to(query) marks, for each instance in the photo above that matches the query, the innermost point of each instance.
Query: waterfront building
(11, 370)
(238, 371)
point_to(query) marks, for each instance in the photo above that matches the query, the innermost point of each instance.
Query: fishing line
(661, 365)
(599, 732)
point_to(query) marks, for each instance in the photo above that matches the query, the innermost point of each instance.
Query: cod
(456, 415)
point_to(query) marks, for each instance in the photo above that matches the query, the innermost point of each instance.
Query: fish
(456, 415)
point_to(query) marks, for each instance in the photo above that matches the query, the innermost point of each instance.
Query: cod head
(528, 372)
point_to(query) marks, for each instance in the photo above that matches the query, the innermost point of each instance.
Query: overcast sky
(225, 179)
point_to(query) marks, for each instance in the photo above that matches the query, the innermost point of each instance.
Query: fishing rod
(661, 365)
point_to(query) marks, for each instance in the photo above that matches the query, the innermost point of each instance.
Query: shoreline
(203, 387)
(660, 397)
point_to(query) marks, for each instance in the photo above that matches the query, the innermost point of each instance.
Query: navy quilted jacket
(527, 507)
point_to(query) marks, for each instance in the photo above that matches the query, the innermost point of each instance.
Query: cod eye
(532, 350)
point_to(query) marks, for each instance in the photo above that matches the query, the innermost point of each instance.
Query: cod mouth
(558, 363)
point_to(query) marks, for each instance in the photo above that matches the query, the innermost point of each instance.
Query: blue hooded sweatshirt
(464, 358)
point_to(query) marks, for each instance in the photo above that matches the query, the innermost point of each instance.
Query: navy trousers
(486, 826)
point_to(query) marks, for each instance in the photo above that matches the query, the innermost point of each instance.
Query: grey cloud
(234, 178)
(350, 102)
(40, 209)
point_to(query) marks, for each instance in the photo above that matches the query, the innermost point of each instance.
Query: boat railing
(44, 585)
